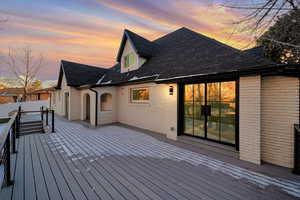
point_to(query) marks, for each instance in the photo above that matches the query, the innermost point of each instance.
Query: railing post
(47, 116)
(7, 174)
(14, 137)
(53, 128)
(18, 118)
(296, 169)
(42, 113)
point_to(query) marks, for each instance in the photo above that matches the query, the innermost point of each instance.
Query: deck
(114, 162)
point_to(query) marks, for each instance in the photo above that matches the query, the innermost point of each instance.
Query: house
(39, 95)
(185, 83)
(10, 95)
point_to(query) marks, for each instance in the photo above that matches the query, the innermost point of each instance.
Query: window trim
(139, 101)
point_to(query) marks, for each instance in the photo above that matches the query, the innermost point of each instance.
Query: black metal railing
(8, 146)
(44, 117)
(8, 140)
(296, 169)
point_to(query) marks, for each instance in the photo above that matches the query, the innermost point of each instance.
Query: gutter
(96, 104)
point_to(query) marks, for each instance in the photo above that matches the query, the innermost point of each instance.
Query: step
(31, 127)
(31, 122)
(32, 131)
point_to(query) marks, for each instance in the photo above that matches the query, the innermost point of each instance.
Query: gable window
(139, 95)
(129, 60)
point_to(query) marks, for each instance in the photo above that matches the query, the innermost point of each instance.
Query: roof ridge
(199, 34)
(131, 32)
(85, 65)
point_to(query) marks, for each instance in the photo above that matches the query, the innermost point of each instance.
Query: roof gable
(77, 74)
(141, 46)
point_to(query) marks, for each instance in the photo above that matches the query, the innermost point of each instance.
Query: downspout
(96, 104)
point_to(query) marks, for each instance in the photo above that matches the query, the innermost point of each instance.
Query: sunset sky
(89, 31)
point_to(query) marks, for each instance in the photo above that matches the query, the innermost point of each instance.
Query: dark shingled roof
(185, 52)
(142, 46)
(79, 74)
(178, 54)
(256, 51)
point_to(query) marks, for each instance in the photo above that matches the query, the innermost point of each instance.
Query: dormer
(133, 52)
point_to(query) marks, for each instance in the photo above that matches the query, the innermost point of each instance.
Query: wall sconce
(171, 90)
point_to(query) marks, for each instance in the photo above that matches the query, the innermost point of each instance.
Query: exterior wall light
(171, 90)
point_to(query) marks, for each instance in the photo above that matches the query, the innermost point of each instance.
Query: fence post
(53, 129)
(7, 174)
(14, 137)
(296, 169)
(47, 116)
(18, 118)
(42, 113)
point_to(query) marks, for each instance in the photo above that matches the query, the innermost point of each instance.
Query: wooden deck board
(57, 173)
(18, 187)
(50, 181)
(82, 182)
(61, 166)
(40, 183)
(71, 181)
(30, 184)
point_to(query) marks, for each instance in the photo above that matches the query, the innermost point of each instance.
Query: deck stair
(31, 127)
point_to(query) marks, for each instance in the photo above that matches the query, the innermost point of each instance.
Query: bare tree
(261, 14)
(24, 65)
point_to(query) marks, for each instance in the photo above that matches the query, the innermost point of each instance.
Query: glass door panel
(199, 117)
(213, 121)
(228, 113)
(210, 111)
(213, 116)
(188, 109)
(228, 122)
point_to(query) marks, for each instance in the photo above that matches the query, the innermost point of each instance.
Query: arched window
(106, 102)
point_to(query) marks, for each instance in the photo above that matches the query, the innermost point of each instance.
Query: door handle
(203, 110)
(206, 110)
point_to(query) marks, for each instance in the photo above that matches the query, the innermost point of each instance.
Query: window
(106, 102)
(139, 95)
(129, 60)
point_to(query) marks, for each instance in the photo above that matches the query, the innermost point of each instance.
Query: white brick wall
(280, 111)
(159, 115)
(249, 119)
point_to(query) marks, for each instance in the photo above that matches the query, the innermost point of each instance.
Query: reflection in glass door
(194, 100)
(210, 111)
(199, 117)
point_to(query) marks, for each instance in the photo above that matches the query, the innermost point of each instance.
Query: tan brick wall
(249, 119)
(280, 111)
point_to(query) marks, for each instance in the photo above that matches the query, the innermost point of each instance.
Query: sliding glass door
(210, 111)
